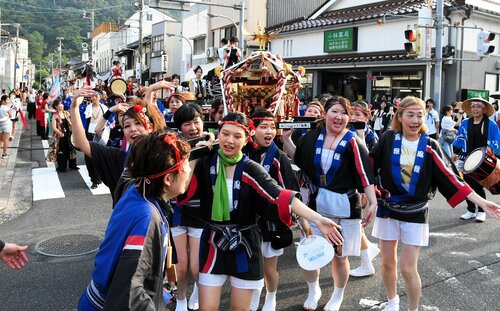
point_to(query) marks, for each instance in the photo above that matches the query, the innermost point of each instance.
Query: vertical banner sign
(2, 66)
(340, 40)
(425, 20)
(164, 63)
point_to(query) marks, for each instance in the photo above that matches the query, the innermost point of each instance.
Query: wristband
(107, 114)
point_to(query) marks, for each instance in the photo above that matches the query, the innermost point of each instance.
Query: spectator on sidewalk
(5, 124)
(31, 104)
(16, 106)
(13, 255)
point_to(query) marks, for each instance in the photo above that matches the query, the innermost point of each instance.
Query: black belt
(405, 208)
(230, 237)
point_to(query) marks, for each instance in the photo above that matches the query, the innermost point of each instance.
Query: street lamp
(240, 35)
(190, 46)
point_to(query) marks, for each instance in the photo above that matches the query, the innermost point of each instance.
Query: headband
(170, 140)
(367, 112)
(412, 107)
(251, 127)
(263, 119)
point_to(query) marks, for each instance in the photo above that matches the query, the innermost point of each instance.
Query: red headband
(251, 127)
(367, 112)
(412, 107)
(263, 119)
(170, 140)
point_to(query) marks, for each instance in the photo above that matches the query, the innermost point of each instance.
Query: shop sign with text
(341, 40)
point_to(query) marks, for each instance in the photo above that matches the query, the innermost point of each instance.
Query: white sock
(336, 299)
(255, 299)
(314, 287)
(181, 305)
(413, 310)
(313, 295)
(193, 299)
(365, 257)
(270, 302)
(393, 301)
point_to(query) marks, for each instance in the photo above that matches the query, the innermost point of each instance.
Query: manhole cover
(69, 245)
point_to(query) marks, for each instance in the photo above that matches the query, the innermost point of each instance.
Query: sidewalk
(15, 175)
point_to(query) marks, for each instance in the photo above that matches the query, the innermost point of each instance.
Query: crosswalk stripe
(46, 184)
(101, 189)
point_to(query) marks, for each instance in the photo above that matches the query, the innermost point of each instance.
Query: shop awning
(351, 59)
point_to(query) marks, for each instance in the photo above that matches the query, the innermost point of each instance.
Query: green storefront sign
(340, 40)
(471, 93)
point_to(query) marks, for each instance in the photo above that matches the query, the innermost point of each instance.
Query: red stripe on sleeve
(284, 201)
(359, 165)
(135, 240)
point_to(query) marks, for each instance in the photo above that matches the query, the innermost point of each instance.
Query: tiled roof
(349, 58)
(360, 13)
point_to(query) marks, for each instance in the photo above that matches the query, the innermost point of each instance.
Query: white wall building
(376, 62)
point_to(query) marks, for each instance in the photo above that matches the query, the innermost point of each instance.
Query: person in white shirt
(222, 51)
(5, 124)
(448, 131)
(31, 104)
(15, 106)
(432, 119)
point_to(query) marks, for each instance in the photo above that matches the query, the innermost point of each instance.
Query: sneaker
(5, 156)
(94, 186)
(74, 168)
(363, 271)
(481, 217)
(468, 215)
(11, 138)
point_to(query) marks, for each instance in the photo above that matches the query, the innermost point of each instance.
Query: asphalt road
(460, 269)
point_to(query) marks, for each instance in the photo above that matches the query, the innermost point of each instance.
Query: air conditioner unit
(212, 52)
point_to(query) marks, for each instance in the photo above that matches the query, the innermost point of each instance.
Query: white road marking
(46, 184)
(453, 235)
(366, 302)
(485, 271)
(101, 189)
(429, 308)
(498, 254)
(45, 144)
(460, 254)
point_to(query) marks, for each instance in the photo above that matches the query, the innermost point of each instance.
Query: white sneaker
(468, 215)
(363, 270)
(481, 217)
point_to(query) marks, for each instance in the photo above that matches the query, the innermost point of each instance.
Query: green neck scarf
(220, 206)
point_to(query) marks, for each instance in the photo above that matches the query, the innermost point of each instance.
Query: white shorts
(219, 280)
(269, 252)
(410, 233)
(5, 126)
(351, 230)
(192, 232)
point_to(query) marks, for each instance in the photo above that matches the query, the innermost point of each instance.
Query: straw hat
(488, 110)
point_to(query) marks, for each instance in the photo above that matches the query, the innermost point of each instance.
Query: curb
(7, 169)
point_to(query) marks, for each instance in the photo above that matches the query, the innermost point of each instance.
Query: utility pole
(15, 54)
(60, 52)
(141, 59)
(438, 67)
(92, 26)
(242, 21)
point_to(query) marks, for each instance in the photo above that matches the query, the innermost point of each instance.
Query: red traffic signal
(413, 42)
(484, 48)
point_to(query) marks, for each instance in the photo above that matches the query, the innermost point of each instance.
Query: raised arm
(157, 86)
(79, 137)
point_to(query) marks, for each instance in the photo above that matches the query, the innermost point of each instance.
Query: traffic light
(484, 48)
(413, 42)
